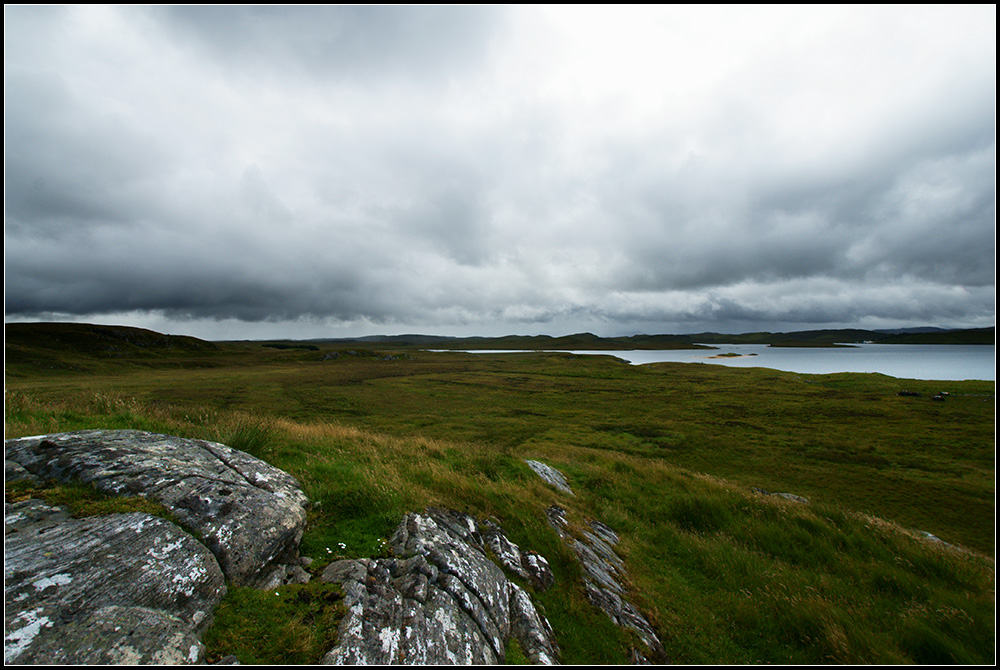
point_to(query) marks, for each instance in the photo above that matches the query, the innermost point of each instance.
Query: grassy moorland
(669, 455)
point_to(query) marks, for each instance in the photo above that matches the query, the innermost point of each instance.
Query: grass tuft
(247, 433)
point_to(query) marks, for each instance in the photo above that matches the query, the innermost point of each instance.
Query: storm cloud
(311, 171)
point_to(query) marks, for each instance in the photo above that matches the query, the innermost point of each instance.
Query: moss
(83, 499)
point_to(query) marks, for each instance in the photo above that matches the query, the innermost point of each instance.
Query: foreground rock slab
(121, 588)
(443, 601)
(250, 514)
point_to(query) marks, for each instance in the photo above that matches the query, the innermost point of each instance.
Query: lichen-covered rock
(121, 588)
(787, 496)
(13, 472)
(445, 602)
(530, 628)
(117, 635)
(249, 513)
(603, 572)
(528, 565)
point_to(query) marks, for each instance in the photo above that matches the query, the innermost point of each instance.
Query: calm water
(907, 361)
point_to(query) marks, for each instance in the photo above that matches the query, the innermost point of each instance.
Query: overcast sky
(326, 171)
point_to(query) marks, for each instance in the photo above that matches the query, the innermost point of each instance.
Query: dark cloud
(499, 170)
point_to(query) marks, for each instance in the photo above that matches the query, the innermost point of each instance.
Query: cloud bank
(309, 171)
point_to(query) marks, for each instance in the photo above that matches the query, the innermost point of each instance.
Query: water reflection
(907, 361)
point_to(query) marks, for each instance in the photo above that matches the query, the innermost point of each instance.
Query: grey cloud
(338, 42)
(67, 163)
(455, 222)
(368, 165)
(138, 276)
(932, 218)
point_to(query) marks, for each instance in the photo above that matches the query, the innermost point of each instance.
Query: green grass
(668, 455)
(250, 434)
(515, 653)
(294, 623)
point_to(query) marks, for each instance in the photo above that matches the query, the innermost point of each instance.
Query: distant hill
(903, 331)
(581, 341)
(967, 336)
(76, 346)
(800, 337)
(71, 345)
(584, 341)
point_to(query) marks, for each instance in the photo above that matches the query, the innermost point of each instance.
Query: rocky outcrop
(122, 588)
(603, 569)
(550, 475)
(603, 573)
(787, 496)
(134, 588)
(250, 514)
(13, 472)
(443, 601)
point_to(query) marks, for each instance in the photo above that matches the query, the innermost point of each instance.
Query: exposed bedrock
(550, 475)
(249, 513)
(443, 601)
(122, 588)
(135, 588)
(603, 572)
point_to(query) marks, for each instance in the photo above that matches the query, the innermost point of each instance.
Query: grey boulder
(550, 475)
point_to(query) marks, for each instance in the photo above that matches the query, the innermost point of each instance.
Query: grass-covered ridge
(589, 341)
(668, 455)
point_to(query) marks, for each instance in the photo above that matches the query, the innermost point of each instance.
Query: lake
(906, 361)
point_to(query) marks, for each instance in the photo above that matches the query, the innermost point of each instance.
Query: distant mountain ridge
(906, 331)
(687, 341)
(45, 341)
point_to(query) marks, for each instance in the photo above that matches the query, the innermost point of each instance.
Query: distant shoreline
(579, 341)
(589, 341)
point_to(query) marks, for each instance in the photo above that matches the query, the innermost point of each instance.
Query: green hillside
(676, 458)
(77, 346)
